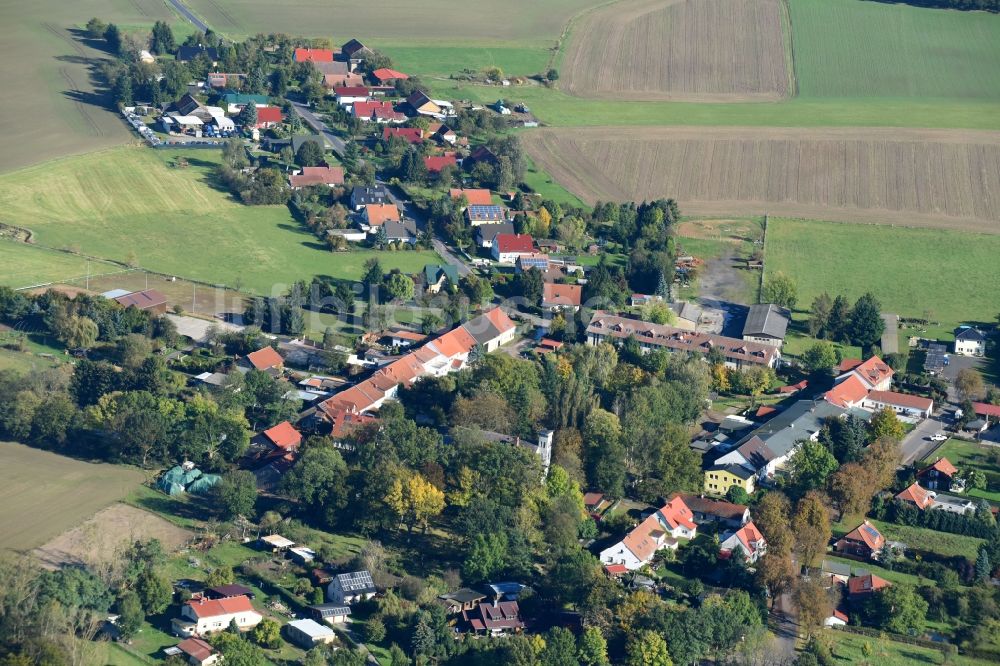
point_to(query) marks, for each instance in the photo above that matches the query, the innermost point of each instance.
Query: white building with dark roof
(969, 341)
(766, 323)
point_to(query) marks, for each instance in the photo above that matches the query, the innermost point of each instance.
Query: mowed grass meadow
(131, 205)
(859, 48)
(43, 494)
(948, 275)
(23, 265)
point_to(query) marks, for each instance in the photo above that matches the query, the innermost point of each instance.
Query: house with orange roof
(317, 175)
(388, 77)
(201, 616)
(473, 196)
(864, 541)
(268, 116)
(561, 296)
(916, 496)
(847, 394)
(661, 529)
(265, 360)
(874, 373)
(375, 215)
(196, 651)
(862, 586)
(746, 542)
(283, 436)
(313, 55)
(938, 476)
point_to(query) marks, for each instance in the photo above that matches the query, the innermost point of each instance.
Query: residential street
(917, 445)
(446, 254)
(312, 120)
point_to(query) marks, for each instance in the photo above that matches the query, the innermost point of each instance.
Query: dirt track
(908, 177)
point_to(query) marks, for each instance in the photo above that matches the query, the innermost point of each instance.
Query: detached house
(317, 175)
(388, 77)
(857, 380)
(473, 196)
(350, 587)
(362, 195)
(313, 55)
(969, 341)
(708, 510)
(862, 586)
(916, 496)
(561, 296)
(746, 542)
(508, 247)
(938, 476)
(349, 95)
(864, 541)
(375, 215)
(283, 436)
(477, 214)
(494, 619)
(660, 530)
(420, 104)
(201, 616)
(487, 233)
(265, 360)
(196, 652)
(436, 276)
(435, 163)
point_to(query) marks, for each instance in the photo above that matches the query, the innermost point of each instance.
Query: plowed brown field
(705, 50)
(934, 178)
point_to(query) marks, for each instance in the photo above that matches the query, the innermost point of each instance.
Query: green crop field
(515, 20)
(28, 265)
(61, 109)
(913, 272)
(130, 204)
(432, 59)
(858, 48)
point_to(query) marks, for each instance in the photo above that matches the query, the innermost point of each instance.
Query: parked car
(938, 437)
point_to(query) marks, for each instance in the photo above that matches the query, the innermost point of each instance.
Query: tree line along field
(709, 50)
(130, 205)
(913, 272)
(912, 177)
(61, 108)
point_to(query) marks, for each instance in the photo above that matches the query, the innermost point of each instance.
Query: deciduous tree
(780, 289)
(811, 527)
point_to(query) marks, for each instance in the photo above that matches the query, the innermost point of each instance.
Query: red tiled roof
(986, 409)
(386, 74)
(714, 507)
(454, 343)
(765, 410)
(901, 399)
(792, 388)
(318, 176)
(284, 435)
(916, 495)
(142, 299)
(269, 114)
(265, 358)
(376, 109)
(677, 514)
(499, 319)
(351, 91)
(848, 364)
(435, 163)
(867, 534)
(313, 55)
(196, 648)
(748, 535)
(411, 134)
(378, 214)
(514, 243)
(562, 294)
(214, 607)
(873, 371)
(840, 615)
(847, 393)
(866, 584)
(615, 569)
(642, 541)
(942, 465)
(475, 197)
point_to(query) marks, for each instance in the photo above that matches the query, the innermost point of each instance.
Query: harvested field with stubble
(909, 177)
(692, 50)
(44, 494)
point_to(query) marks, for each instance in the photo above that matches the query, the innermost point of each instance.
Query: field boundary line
(555, 59)
(786, 24)
(763, 263)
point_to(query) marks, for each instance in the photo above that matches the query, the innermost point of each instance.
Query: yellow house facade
(720, 478)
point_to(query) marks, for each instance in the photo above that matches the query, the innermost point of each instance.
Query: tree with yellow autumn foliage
(415, 500)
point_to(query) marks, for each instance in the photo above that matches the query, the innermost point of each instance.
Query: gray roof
(736, 470)
(799, 422)
(766, 319)
(311, 628)
(487, 232)
(839, 568)
(463, 596)
(969, 333)
(687, 310)
(404, 230)
(330, 610)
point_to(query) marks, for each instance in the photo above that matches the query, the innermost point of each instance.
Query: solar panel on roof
(358, 580)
